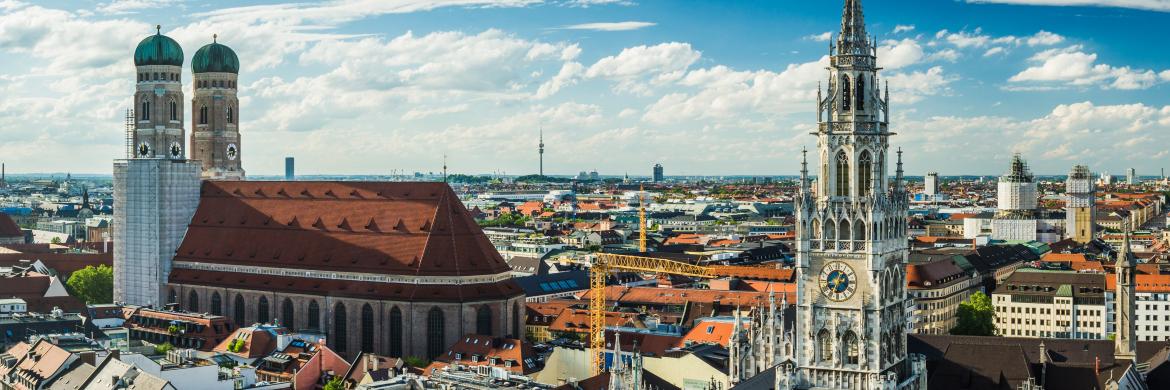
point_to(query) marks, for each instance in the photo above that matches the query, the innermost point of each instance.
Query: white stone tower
(1125, 343)
(851, 236)
(215, 111)
(930, 187)
(157, 189)
(1080, 205)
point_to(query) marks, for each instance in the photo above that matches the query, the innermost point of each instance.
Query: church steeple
(1125, 343)
(853, 39)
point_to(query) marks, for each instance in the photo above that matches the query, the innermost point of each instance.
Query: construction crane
(603, 263)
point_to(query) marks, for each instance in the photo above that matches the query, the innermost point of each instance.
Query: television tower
(541, 151)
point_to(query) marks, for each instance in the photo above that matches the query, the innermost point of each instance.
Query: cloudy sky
(703, 87)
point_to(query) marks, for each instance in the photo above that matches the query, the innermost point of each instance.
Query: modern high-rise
(1080, 205)
(657, 173)
(931, 185)
(851, 250)
(156, 189)
(290, 169)
(1131, 177)
(215, 135)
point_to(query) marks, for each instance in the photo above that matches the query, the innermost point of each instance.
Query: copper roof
(418, 229)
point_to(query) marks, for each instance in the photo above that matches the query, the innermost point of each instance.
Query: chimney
(88, 357)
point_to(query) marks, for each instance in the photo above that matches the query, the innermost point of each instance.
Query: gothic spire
(852, 39)
(804, 170)
(898, 179)
(1123, 257)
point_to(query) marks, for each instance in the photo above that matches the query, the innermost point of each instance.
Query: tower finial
(158, 29)
(214, 38)
(899, 178)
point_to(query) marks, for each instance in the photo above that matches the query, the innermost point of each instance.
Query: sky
(702, 87)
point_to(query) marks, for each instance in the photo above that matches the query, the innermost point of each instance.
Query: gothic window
(830, 230)
(216, 304)
(483, 321)
(145, 110)
(865, 173)
(174, 111)
(156, 76)
(825, 344)
(286, 314)
(314, 317)
(851, 348)
(846, 95)
(860, 92)
(230, 117)
(842, 174)
(395, 332)
(436, 334)
(193, 301)
(262, 310)
(367, 328)
(843, 231)
(239, 310)
(203, 115)
(339, 327)
(859, 230)
(816, 229)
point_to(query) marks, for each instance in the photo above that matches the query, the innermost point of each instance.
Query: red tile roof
(349, 288)
(419, 229)
(510, 354)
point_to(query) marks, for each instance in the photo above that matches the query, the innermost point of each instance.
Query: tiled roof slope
(418, 229)
(8, 227)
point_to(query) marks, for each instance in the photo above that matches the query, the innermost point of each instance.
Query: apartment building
(1034, 303)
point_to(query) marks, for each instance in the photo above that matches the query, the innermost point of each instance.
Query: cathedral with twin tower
(157, 185)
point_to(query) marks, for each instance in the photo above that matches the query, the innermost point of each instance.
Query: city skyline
(364, 89)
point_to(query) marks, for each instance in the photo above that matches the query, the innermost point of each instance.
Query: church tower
(156, 189)
(1125, 343)
(851, 236)
(215, 132)
(1080, 207)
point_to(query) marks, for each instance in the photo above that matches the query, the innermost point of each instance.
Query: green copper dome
(215, 58)
(158, 49)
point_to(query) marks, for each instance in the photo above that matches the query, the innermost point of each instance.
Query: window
(314, 317)
(367, 328)
(860, 92)
(203, 115)
(395, 332)
(230, 118)
(483, 321)
(262, 310)
(436, 334)
(173, 297)
(145, 110)
(825, 344)
(865, 173)
(842, 174)
(239, 310)
(286, 314)
(846, 97)
(174, 111)
(216, 304)
(339, 327)
(851, 350)
(193, 301)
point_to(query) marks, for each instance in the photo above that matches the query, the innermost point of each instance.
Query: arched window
(842, 174)
(367, 328)
(203, 115)
(230, 117)
(816, 229)
(395, 332)
(436, 333)
(286, 314)
(262, 310)
(860, 92)
(216, 304)
(851, 350)
(193, 301)
(858, 230)
(339, 327)
(173, 297)
(830, 230)
(843, 232)
(483, 321)
(145, 110)
(156, 76)
(865, 173)
(239, 310)
(846, 93)
(825, 344)
(174, 111)
(314, 317)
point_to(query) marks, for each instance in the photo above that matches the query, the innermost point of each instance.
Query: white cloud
(1044, 38)
(631, 68)
(993, 51)
(1072, 66)
(591, 3)
(1151, 5)
(903, 28)
(421, 113)
(609, 26)
(949, 55)
(822, 37)
(908, 88)
(568, 75)
(894, 54)
(977, 39)
(132, 6)
(725, 94)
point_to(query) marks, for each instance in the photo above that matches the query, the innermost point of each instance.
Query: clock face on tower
(144, 149)
(838, 281)
(176, 150)
(232, 152)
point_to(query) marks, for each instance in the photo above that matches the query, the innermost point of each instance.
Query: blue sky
(703, 87)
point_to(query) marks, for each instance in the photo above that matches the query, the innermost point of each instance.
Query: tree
(335, 384)
(976, 316)
(94, 285)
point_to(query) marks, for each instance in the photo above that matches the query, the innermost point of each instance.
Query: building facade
(1080, 205)
(937, 287)
(930, 186)
(215, 111)
(156, 189)
(658, 173)
(851, 237)
(1062, 305)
